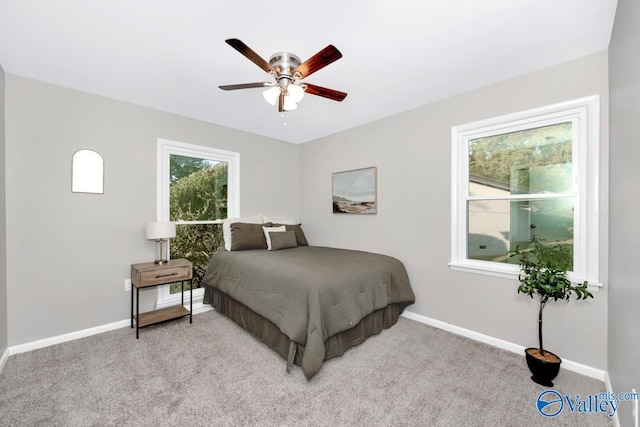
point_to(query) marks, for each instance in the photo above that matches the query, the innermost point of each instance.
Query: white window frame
(165, 149)
(584, 113)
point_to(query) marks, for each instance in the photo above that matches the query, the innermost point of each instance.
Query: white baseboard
(579, 368)
(3, 359)
(34, 345)
(46, 342)
(201, 308)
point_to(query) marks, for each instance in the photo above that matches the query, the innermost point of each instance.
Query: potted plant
(543, 273)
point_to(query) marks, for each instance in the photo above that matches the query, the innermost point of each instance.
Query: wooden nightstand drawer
(148, 278)
(150, 274)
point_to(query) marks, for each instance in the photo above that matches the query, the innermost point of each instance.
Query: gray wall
(68, 254)
(3, 224)
(624, 293)
(413, 154)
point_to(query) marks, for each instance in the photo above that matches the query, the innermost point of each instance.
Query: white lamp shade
(289, 103)
(295, 92)
(160, 230)
(271, 95)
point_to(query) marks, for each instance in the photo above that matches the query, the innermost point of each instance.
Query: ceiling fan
(287, 71)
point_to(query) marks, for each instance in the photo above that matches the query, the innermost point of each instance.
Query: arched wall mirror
(87, 172)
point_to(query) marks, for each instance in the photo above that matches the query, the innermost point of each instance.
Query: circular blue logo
(550, 403)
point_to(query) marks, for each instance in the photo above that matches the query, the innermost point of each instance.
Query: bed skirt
(268, 333)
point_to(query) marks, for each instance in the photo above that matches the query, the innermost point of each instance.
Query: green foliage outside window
(196, 242)
(198, 192)
(199, 195)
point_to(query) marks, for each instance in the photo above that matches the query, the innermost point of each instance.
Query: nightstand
(149, 275)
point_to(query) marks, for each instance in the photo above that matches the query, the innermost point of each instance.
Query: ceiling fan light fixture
(295, 92)
(271, 95)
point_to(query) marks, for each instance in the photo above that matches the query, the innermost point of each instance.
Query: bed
(307, 303)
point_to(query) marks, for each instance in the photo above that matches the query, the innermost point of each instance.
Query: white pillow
(268, 230)
(226, 226)
(280, 220)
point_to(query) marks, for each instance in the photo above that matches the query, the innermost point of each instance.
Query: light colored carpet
(212, 373)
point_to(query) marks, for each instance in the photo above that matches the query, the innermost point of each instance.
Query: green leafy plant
(196, 242)
(198, 192)
(543, 273)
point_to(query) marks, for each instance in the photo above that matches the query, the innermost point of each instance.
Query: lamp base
(162, 251)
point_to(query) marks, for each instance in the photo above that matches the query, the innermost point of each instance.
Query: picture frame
(355, 191)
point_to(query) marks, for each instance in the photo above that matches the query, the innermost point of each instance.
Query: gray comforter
(311, 293)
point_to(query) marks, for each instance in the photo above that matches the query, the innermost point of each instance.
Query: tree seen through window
(197, 194)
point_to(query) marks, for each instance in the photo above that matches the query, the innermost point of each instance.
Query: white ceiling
(397, 55)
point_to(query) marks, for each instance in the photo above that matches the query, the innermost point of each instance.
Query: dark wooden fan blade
(246, 51)
(244, 86)
(325, 93)
(281, 102)
(320, 60)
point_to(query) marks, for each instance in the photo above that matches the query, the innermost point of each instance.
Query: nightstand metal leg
(137, 311)
(191, 301)
(131, 308)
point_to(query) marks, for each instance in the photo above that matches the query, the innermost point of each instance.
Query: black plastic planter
(543, 371)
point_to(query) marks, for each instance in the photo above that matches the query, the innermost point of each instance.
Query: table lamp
(161, 232)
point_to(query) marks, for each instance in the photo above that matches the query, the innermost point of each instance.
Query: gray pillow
(297, 228)
(283, 240)
(247, 236)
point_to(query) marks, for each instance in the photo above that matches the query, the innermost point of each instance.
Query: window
(526, 174)
(197, 188)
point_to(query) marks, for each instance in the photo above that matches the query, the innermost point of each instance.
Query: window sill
(509, 271)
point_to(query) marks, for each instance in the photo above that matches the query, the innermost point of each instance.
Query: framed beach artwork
(354, 191)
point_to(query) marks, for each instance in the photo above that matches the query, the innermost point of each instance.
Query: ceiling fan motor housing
(284, 65)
